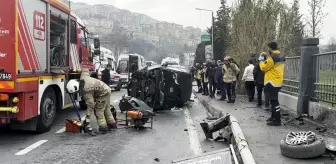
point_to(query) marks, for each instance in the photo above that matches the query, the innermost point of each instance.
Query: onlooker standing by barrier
(259, 79)
(234, 83)
(230, 71)
(198, 77)
(273, 67)
(205, 80)
(210, 74)
(192, 71)
(249, 80)
(219, 81)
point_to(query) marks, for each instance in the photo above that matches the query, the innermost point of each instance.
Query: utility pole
(212, 30)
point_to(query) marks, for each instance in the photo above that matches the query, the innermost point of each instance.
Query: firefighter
(97, 94)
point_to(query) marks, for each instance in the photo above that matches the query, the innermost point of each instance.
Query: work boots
(103, 130)
(112, 126)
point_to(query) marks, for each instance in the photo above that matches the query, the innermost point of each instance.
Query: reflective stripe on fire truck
(60, 5)
(74, 57)
(27, 49)
(26, 79)
(6, 84)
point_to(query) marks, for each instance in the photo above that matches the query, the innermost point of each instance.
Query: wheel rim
(49, 107)
(298, 138)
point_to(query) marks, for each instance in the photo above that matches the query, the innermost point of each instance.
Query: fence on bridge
(311, 76)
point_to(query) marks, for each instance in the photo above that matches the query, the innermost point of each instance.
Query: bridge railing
(291, 76)
(320, 68)
(325, 83)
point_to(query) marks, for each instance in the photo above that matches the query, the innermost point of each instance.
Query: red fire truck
(42, 46)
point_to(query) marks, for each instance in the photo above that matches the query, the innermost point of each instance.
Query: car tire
(315, 149)
(118, 88)
(48, 108)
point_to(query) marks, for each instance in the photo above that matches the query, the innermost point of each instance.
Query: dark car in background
(161, 87)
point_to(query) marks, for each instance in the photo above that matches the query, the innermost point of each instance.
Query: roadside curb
(241, 142)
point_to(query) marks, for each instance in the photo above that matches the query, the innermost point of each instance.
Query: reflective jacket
(273, 67)
(198, 74)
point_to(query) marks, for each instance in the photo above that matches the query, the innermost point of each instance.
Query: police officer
(97, 94)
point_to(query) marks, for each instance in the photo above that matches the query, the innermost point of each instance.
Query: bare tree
(316, 16)
(332, 44)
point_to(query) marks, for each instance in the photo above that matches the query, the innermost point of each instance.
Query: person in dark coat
(210, 74)
(219, 81)
(192, 71)
(106, 76)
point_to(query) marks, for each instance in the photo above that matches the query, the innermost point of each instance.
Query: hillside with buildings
(118, 27)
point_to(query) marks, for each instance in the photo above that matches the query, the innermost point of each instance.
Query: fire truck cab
(43, 46)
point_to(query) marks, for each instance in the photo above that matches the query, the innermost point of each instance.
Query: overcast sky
(183, 11)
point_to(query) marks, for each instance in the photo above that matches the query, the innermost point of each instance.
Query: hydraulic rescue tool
(73, 125)
(137, 113)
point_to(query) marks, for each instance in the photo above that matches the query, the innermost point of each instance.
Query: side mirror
(118, 70)
(96, 43)
(96, 52)
(101, 56)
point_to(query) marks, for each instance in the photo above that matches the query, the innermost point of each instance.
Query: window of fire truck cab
(83, 36)
(73, 38)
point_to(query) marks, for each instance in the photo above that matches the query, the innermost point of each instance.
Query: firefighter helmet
(73, 86)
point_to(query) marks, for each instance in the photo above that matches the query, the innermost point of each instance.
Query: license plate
(5, 76)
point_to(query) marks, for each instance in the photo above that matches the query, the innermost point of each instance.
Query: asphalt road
(175, 134)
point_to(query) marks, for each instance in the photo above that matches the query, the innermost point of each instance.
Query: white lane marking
(116, 101)
(193, 138)
(31, 147)
(62, 130)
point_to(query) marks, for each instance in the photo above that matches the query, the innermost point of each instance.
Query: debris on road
(157, 159)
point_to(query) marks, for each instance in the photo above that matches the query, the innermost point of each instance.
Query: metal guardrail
(325, 84)
(291, 76)
(325, 71)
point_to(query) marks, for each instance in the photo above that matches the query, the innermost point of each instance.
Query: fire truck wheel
(48, 108)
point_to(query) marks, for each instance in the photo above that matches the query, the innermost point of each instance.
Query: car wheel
(48, 108)
(118, 88)
(315, 149)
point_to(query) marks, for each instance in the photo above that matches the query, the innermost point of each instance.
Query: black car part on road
(161, 87)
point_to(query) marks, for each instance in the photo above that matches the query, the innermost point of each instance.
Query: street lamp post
(212, 30)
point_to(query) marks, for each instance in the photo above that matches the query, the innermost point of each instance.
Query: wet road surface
(175, 134)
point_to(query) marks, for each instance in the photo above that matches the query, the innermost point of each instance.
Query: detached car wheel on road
(302, 145)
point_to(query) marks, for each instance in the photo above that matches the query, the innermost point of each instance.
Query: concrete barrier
(241, 142)
(317, 111)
